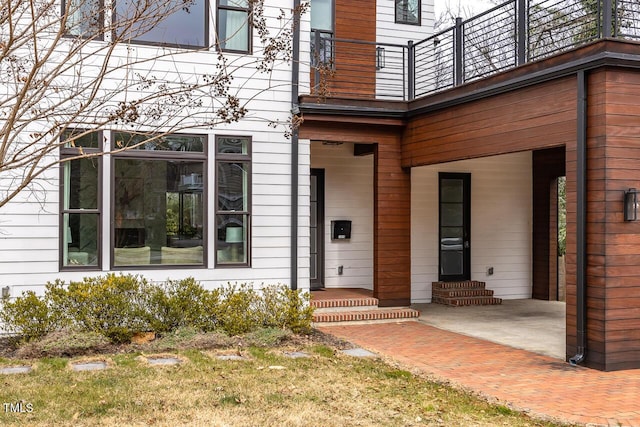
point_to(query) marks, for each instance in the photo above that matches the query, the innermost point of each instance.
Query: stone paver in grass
(9, 370)
(231, 357)
(359, 352)
(89, 366)
(296, 354)
(163, 361)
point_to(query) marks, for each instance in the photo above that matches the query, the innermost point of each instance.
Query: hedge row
(119, 306)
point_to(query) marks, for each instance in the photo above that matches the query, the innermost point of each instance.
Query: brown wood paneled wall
(533, 118)
(547, 166)
(614, 166)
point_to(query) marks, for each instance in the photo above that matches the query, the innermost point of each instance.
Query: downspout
(295, 78)
(581, 187)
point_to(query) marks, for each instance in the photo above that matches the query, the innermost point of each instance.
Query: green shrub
(179, 304)
(238, 310)
(119, 306)
(111, 305)
(281, 307)
(27, 315)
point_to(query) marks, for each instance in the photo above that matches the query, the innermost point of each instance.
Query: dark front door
(316, 269)
(454, 226)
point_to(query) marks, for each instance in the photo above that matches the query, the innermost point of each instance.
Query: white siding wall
(388, 31)
(501, 215)
(29, 231)
(348, 195)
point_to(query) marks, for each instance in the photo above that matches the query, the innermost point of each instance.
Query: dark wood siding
(392, 204)
(536, 117)
(616, 94)
(547, 166)
(354, 67)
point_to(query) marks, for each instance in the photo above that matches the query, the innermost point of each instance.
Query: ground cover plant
(327, 388)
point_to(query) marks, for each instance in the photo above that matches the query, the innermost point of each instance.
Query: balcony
(511, 34)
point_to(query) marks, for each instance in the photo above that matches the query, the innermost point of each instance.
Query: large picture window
(158, 200)
(80, 215)
(233, 23)
(233, 205)
(408, 12)
(172, 23)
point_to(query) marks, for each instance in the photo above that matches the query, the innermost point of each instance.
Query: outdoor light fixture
(379, 58)
(6, 292)
(631, 205)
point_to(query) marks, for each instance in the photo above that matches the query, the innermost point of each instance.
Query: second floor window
(172, 23)
(84, 18)
(322, 24)
(234, 29)
(180, 23)
(408, 12)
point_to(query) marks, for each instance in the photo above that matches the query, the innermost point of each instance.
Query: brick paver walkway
(540, 385)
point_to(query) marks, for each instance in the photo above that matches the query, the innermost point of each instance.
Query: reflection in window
(83, 17)
(174, 22)
(234, 31)
(233, 184)
(80, 213)
(408, 12)
(158, 205)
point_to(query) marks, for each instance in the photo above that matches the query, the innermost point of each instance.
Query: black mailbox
(340, 230)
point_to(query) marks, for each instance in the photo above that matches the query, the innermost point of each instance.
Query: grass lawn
(267, 389)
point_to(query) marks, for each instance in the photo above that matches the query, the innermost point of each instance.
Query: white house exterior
(214, 203)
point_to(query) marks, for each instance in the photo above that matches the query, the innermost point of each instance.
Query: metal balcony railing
(510, 34)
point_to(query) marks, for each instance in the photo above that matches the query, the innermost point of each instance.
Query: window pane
(189, 143)
(81, 184)
(228, 145)
(80, 239)
(232, 186)
(244, 4)
(174, 22)
(73, 139)
(84, 17)
(407, 11)
(232, 239)
(322, 15)
(233, 30)
(158, 211)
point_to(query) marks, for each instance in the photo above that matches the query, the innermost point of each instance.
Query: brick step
(466, 301)
(378, 314)
(344, 302)
(457, 293)
(465, 284)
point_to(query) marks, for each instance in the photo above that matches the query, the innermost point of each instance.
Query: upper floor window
(84, 18)
(180, 23)
(80, 213)
(234, 29)
(408, 12)
(322, 29)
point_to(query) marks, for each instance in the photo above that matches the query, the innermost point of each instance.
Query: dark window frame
(401, 20)
(248, 10)
(68, 153)
(234, 158)
(205, 40)
(140, 154)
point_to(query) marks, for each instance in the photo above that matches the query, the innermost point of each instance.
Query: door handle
(466, 244)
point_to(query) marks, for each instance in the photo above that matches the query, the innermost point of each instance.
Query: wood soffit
(603, 53)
